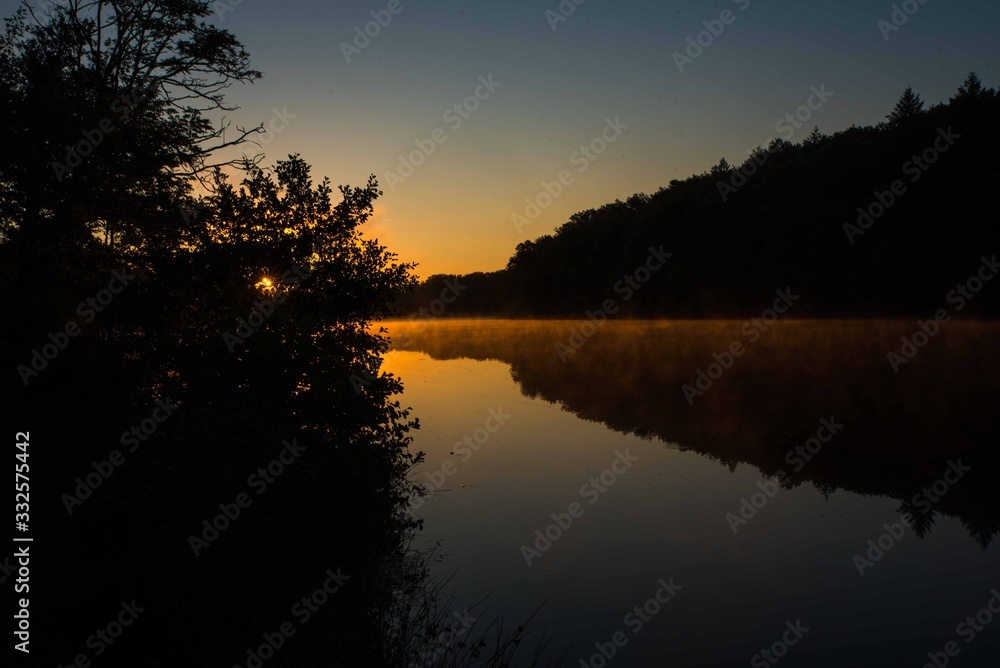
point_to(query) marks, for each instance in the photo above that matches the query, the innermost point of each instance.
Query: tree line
(879, 220)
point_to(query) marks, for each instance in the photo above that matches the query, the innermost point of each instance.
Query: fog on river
(756, 490)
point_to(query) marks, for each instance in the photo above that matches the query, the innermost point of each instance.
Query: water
(796, 553)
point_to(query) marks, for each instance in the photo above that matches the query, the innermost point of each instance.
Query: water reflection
(900, 429)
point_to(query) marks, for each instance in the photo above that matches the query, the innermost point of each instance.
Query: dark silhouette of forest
(786, 217)
(176, 321)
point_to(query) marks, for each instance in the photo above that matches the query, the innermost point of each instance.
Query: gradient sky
(611, 58)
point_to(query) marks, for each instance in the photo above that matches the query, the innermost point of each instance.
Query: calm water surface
(715, 496)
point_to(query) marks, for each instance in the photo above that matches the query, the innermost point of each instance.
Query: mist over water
(758, 495)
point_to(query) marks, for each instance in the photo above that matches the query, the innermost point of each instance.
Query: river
(677, 500)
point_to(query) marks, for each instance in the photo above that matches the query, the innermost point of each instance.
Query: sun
(265, 284)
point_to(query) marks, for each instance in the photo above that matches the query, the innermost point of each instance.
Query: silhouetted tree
(814, 137)
(909, 106)
(972, 89)
(107, 107)
(779, 145)
(251, 314)
(722, 168)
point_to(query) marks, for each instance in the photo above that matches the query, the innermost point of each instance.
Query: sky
(558, 81)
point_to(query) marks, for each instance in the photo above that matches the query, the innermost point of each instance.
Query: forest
(877, 221)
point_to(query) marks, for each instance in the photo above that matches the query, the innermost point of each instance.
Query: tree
(972, 89)
(108, 107)
(723, 168)
(909, 106)
(777, 146)
(814, 137)
(279, 244)
(251, 316)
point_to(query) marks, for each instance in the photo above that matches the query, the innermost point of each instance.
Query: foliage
(781, 219)
(251, 311)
